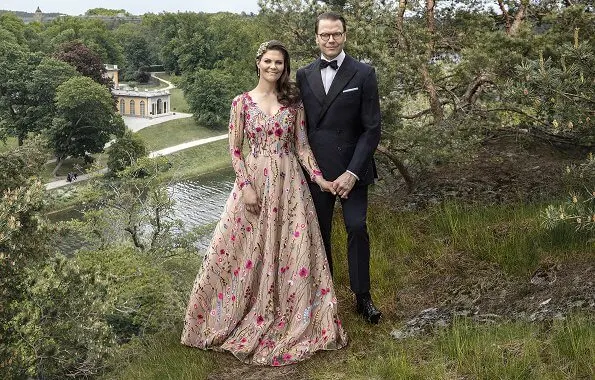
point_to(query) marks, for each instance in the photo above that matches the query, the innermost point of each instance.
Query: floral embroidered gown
(264, 291)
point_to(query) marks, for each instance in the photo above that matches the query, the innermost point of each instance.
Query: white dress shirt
(328, 74)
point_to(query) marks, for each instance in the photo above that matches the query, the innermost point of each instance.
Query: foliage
(209, 94)
(133, 206)
(141, 295)
(84, 60)
(579, 209)
(106, 12)
(58, 322)
(85, 119)
(136, 42)
(124, 151)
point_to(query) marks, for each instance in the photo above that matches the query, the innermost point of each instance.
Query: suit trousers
(355, 209)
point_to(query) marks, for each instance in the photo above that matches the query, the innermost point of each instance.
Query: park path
(135, 124)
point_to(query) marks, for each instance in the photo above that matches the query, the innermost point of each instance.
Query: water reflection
(200, 201)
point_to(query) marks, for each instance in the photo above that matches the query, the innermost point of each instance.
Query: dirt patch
(504, 169)
(482, 292)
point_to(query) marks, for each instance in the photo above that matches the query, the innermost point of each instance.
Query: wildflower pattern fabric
(264, 291)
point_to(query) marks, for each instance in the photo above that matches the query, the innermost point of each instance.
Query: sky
(136, 7)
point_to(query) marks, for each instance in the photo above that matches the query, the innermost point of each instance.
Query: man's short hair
(333, 16)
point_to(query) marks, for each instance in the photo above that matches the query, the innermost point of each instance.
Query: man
(340, 97)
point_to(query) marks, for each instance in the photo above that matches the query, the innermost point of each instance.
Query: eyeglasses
(336, 36)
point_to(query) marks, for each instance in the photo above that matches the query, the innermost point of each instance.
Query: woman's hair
(287, 92)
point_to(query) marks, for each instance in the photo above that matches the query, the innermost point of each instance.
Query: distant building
(38, 16)
(132, 102)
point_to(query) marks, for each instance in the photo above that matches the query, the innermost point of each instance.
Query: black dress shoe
(366, 308)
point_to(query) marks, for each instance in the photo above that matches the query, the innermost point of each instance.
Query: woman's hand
(251, 201)
(325, 185)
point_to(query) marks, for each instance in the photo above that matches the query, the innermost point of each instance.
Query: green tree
(85, 120)
(16, 67)
(124, 151)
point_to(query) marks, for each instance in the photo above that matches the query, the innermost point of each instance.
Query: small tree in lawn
(124, 151)
(85, 120)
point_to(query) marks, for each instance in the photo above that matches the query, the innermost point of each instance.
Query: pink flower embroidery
(259, 320)
(324, 291)
(220, 296)
(278, 132)
(233, 298)
(296, 234)
(237, 152)
(230, 125)
(249, 264)
(281, 324)
(236, 272)
(248, 228)
(286, 357)
(258, 129)
(276, 362)
(233, 237)
(222, 251)
(266, 172)
(274, 209)
(303, 272)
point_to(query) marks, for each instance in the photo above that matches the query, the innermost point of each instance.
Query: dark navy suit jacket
(343, 125)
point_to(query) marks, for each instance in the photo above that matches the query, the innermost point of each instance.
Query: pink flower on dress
(304, 272)
(258, 129)
(274, 209)
(278, 132)
(249, 264)
(236, 272)
(233, 237)
(281, 324)
(266, 172)
(220, 296)
(276, 362)
(296, 234)
(237, 152)
(259, 320)
(222, 251)
(231, 126)
(233, 298)
(286, 357)
(324, 291)
(323, 332)
(248, 228)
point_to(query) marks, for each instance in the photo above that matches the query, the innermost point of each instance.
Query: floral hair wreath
(262, 48)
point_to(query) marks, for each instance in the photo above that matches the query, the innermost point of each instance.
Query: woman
(264, 292)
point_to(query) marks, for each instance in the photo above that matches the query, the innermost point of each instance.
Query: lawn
(175, 132)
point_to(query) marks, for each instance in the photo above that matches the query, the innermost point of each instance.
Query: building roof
(141, 94)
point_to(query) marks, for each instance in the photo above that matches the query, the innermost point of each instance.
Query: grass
(174, 132)
(178, 101)
(202, 159)
(409, 252)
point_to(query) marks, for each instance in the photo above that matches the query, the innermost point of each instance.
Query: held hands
(325, 185)
(251, 200)
(343, 184)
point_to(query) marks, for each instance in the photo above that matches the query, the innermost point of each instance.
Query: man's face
(332, 47)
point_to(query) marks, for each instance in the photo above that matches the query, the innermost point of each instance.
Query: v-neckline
(260, 109)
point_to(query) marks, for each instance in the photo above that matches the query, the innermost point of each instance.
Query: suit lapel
(315, 81)
(343, 76)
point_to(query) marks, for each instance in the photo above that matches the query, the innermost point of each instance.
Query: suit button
(339, 148)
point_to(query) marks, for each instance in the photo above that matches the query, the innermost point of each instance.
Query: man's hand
(343, 184)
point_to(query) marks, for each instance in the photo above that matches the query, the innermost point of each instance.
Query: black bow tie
(333, 64)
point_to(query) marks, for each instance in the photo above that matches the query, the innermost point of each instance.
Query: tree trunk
(518, 18)
(505, 15)
(400, 166)
(59, 163)
(429, 85)
(400, 25)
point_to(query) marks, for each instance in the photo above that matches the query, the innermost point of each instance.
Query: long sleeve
(370, 122)
(236, 140)
(302, 146)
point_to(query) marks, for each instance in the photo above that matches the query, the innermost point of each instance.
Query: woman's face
(271, 65)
